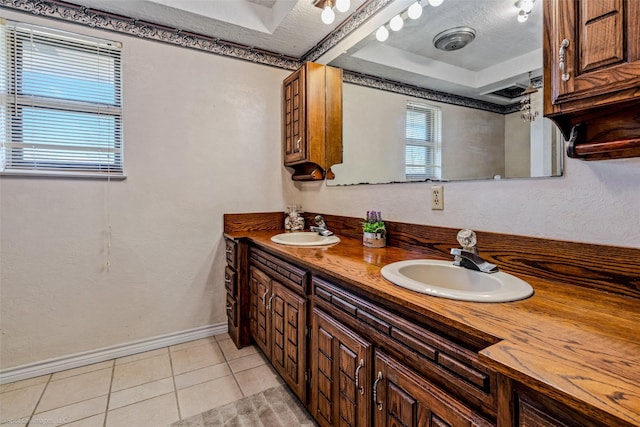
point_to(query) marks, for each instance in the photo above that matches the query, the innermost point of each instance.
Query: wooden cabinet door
(404, 398)
(601, 53)
(288, 346)
(294, 117)
(340, 366)
(260, 320)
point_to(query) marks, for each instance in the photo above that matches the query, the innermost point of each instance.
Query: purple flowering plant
(373, 223)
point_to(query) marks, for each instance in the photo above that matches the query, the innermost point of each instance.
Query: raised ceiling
(501, 56)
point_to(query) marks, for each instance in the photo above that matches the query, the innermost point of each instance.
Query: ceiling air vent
(454, 38)
(511, 92)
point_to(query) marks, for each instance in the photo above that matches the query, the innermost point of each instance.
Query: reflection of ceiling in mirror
(502, 54)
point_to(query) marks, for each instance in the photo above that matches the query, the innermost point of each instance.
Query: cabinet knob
(264, 297)
(561, 60)
(269, 304)
(375, 391)
(298, 144)
(360, 388)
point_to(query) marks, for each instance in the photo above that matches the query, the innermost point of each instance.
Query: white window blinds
(422, 142)
(61, 110)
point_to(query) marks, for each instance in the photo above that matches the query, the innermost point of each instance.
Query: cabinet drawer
(232, 310)
(293, 277)
(231, 281)
(231, 253)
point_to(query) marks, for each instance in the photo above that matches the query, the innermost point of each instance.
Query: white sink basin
(304, 238)
(443, 279)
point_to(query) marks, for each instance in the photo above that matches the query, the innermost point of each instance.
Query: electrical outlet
(437, 197)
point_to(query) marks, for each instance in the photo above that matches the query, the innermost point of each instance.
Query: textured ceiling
(502, 55)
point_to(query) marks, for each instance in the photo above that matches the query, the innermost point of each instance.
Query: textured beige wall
(202, 137)
(596, 202)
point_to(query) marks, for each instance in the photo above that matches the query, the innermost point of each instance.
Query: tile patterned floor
(153, 389)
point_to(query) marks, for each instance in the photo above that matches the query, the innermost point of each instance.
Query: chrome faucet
(468, 256)
(321, 227)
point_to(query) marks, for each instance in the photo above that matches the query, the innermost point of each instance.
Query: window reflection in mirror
(474, 144)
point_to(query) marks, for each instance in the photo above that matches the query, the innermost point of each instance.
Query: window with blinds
(61, 109)
(422, 142)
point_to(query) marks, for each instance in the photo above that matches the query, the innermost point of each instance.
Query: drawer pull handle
(375, 391)
(360, 388)
(269, 305)
(264, 298)
(229, 249)
(229, 308)
(563, 48)
(227, 279)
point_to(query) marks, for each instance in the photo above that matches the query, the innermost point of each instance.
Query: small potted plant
(374, 230)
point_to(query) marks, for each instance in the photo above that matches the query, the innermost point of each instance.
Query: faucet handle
(320, 221)
(467, 239)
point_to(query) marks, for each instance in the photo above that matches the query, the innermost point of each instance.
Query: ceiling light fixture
(328, 15)
(525, 6)
(382, 34)
(435, 3)
(396, 23)
(415, 10)
(343, 5)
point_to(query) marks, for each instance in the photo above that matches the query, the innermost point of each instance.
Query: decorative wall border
(70, 12)
(121, 24)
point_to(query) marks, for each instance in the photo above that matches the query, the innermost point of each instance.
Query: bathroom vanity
(359, 350)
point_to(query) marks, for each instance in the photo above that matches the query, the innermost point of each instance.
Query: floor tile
(139, 393)
(202, 375)
(20, 403)
(74, 389)
(222, 337)
(95, 421)
(231, 352)
(140, 372)
(257, 379)
(71, 413)
(247, 362)
(82, 370)
(199, 398)
(140, 356)
(24, 383)
(159, 411)
(194, 343)
(197, 357)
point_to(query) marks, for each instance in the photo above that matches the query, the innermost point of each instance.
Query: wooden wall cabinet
(312, 121)
(592, 75)
(278, 316)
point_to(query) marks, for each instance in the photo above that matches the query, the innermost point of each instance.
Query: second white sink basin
(443, 279)
(304, 238)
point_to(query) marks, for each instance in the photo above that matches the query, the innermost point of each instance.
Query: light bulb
(382, 34)
(527, 5)
(396, 23)
(435, 3)
(522, 16)
(415, 11)
(328, 15)
(343, 5)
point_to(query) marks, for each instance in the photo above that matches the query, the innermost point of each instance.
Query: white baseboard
(76, 360)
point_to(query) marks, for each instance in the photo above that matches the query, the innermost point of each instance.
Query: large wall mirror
(457, 114)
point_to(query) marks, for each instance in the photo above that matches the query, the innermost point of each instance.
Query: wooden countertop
(578, 345)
